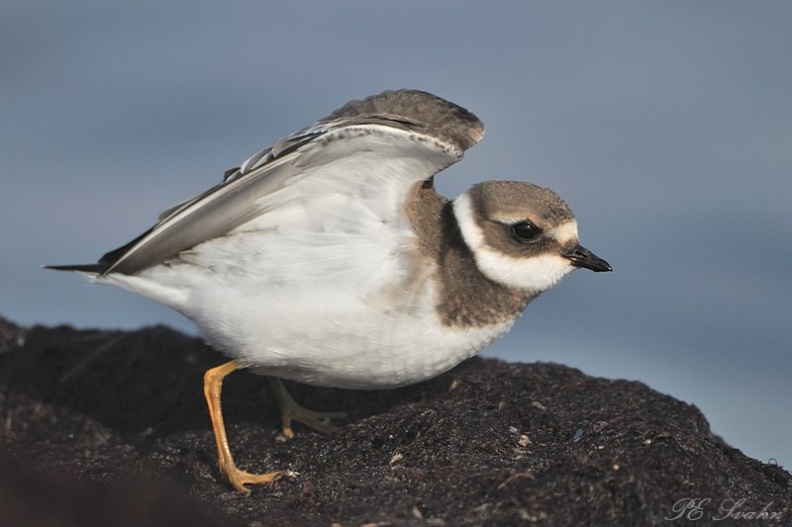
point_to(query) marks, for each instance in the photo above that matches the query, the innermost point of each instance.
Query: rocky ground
(110, 428)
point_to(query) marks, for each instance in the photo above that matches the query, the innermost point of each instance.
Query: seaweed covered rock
(110, 427)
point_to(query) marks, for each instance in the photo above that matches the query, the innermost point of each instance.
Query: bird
(330, 259)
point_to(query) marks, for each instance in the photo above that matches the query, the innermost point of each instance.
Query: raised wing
(405, 135)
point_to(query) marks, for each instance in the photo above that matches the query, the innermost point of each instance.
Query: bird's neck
(465, 297)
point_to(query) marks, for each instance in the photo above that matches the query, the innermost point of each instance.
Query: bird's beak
(582, 257)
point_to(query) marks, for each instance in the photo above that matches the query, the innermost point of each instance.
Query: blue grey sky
(667, 126)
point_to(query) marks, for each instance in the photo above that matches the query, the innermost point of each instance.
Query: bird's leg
(213, 386)
(291, 410)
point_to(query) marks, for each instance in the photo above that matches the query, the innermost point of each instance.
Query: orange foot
(239, 478)
(213, 386)
(292, 411)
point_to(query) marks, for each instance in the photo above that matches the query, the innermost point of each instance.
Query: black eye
(525, 230)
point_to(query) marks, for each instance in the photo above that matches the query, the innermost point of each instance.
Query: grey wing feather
(219, 213)
(233, 202)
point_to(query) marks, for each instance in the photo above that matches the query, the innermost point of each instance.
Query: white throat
(534, 273)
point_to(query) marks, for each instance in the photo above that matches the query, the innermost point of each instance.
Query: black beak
(582, 257)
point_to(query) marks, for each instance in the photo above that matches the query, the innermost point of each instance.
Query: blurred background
(666, 126)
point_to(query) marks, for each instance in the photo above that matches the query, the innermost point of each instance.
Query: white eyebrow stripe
(565, 232)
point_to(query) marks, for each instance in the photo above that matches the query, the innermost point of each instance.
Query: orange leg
(213, 386)
(291, 410)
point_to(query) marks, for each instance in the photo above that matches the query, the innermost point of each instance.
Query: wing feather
(404, 135)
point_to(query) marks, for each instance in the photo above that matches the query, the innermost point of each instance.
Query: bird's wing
(385, 143)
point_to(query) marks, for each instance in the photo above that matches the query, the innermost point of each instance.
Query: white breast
(325, 336)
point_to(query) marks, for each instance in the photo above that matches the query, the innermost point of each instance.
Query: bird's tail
(91, 269)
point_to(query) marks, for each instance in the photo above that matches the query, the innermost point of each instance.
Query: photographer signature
(697, 508)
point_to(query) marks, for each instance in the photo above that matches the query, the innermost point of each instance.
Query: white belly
(327, 339)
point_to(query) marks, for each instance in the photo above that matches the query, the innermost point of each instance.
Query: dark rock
(110, 428)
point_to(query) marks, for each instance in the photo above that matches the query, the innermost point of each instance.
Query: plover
(330, 259)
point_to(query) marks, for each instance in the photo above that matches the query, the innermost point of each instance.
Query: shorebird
(330, 259)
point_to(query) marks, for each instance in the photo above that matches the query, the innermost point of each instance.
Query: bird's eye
(525, 230)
